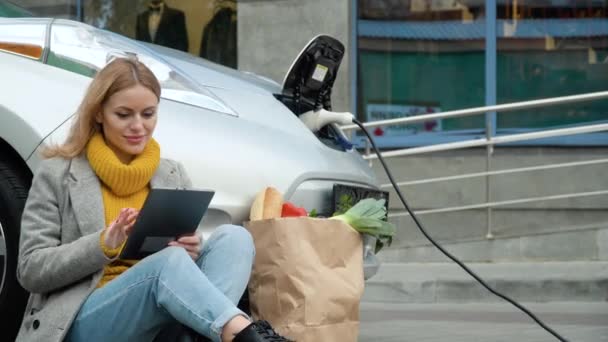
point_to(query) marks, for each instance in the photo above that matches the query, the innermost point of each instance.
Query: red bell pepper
(290, 210)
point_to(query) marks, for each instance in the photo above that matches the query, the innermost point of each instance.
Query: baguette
(268, 204)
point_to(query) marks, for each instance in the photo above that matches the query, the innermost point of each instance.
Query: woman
(83, 202)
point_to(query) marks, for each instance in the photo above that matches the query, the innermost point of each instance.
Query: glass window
(10, 10)
(65, 9)
(418, 57)
(205, 28)
(548, 49)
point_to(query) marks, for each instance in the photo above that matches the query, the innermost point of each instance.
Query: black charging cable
(453, 258)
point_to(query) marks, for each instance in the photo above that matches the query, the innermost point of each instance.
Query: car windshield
(84, 50)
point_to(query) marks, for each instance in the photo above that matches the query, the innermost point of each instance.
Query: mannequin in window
(162, 25)
(218, 43)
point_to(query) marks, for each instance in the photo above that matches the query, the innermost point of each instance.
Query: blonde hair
(120, 74)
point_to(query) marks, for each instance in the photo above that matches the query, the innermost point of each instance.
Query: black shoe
(200, 338)
(259, 331)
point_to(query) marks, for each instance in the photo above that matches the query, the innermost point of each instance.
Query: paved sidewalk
(496, 322)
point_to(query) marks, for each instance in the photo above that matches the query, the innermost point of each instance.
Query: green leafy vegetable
(345, 202)
(367, 217)
(313, 213)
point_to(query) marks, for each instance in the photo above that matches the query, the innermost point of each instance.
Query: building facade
(412, 57)
(404, 57)
(419, 57)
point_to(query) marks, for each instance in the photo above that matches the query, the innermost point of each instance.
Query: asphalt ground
(389, 322)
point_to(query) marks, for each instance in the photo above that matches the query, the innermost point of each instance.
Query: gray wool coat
(60, 257)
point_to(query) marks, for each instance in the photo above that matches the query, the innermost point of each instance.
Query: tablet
(166, 215)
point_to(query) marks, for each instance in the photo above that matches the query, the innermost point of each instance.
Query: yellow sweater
(122, 186)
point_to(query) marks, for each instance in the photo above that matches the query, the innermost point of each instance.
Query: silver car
(230, 129)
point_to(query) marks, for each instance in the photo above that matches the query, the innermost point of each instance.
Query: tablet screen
(166, 215)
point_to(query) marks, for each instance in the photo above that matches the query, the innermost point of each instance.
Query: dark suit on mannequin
(171, 31)
(219, 38)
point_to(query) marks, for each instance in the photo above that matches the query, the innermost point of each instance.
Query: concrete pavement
(496, 322)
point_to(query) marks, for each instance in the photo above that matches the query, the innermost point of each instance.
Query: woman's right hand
(118, 230)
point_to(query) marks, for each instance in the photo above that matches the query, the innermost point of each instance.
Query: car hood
(240, 157)
(213, 75)
(249, 96)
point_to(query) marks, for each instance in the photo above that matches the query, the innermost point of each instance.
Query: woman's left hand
(191, 243)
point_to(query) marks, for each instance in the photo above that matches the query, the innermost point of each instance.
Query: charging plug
(315, 120)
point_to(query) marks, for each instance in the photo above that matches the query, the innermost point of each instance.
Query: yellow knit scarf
(122, 179)
(122, 186)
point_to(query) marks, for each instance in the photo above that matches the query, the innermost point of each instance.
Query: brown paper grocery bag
(307, 278)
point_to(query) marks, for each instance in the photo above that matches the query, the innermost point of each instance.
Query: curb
(529, 282)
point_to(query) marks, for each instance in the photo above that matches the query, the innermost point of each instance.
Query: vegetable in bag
(368, 217)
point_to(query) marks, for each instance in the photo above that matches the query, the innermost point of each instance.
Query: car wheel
(14, 188)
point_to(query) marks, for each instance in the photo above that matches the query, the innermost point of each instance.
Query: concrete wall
(271, 33)
(552, 230)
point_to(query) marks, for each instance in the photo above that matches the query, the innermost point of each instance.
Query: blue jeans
(169, 287)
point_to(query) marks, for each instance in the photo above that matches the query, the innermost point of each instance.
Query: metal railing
(507, 107)
(489, 142)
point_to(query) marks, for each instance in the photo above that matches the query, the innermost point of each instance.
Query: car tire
(14, 186)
